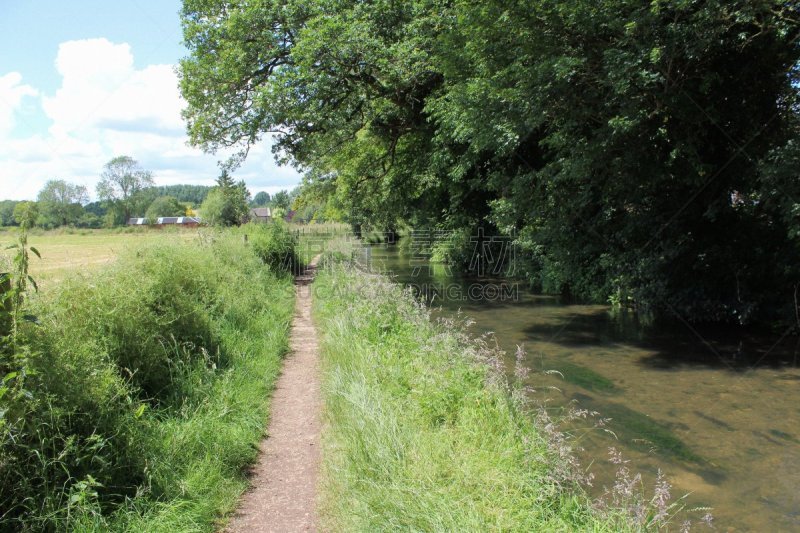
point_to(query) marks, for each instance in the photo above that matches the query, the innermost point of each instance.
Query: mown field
(68, 251)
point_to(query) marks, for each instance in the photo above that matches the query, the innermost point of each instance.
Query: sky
(84, 81)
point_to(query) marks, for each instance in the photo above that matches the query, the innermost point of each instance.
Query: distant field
(64, 252)
(67, 251)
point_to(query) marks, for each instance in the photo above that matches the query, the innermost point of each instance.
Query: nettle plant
(14, 285)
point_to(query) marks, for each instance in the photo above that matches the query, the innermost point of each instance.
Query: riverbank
(423, 434)
(138, 396)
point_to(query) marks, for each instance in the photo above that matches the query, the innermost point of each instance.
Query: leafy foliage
(227, 203)
(25, 214)
(634, 148)
(60, 203)
(261, 199)
(274, 244)
(7, 212)
(165, 206)
(194, 194)
(122, 186)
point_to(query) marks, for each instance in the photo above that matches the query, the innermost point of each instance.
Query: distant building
(261, 214)
(187, 222)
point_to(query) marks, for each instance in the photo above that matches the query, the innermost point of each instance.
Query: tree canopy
(642, 152)
(194, 194)
(61, 203)
(122, 185)
(227, 203)
(165, 206)
(261, 198)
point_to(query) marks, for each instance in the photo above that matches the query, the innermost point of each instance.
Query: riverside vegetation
(133, 401)
(134, 398)
(426, 434)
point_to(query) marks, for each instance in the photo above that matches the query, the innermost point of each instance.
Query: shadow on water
(670, 345)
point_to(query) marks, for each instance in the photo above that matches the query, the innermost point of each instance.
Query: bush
(274, 244)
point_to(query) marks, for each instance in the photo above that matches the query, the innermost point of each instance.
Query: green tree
(25, 214)
(261, 199)
(282, 200)
(193, 194)
(226, 204)
(634, 150)
(122, 186)
(61, 203)
(165, 206)
(7, 212)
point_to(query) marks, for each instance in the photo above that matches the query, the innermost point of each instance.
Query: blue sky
(84, 81)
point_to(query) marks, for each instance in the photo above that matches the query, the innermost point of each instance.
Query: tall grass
(142, 391)
(423, 434)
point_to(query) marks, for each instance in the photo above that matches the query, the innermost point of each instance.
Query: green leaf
(36, 252)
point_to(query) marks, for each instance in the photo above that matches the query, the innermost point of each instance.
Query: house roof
(178, 220)
(261, 212)
(164, 220)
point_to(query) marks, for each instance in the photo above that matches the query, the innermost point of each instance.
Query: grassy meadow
(80, 251)
(135, 395)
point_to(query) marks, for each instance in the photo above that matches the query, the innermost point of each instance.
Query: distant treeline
(194, 194)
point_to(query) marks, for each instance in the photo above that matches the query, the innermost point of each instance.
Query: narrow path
(284, 481)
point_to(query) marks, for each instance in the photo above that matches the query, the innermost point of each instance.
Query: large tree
(7, 212)
(261, 198)
(227, 203)
(61, 202)
(122, 185)
(281, 199)
(640, 151)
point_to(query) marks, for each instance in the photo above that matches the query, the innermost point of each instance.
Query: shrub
(274, 244)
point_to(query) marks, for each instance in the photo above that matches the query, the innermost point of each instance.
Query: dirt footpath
(284, 482)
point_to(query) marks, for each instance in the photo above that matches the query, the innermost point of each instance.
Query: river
(717, 410)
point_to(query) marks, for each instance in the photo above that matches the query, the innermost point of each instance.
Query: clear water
(717, 410)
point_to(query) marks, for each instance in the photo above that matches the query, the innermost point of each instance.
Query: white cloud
(105, 107)
(12, 91)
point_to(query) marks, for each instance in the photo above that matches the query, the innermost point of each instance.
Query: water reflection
(716, 409)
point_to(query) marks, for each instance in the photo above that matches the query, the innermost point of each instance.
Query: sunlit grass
(67, 251)
(421, 435)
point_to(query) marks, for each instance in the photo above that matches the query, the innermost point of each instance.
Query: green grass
(146, 390)
(65, 251)
(421, 435)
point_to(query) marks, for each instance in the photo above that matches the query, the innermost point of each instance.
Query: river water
(718, 411)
